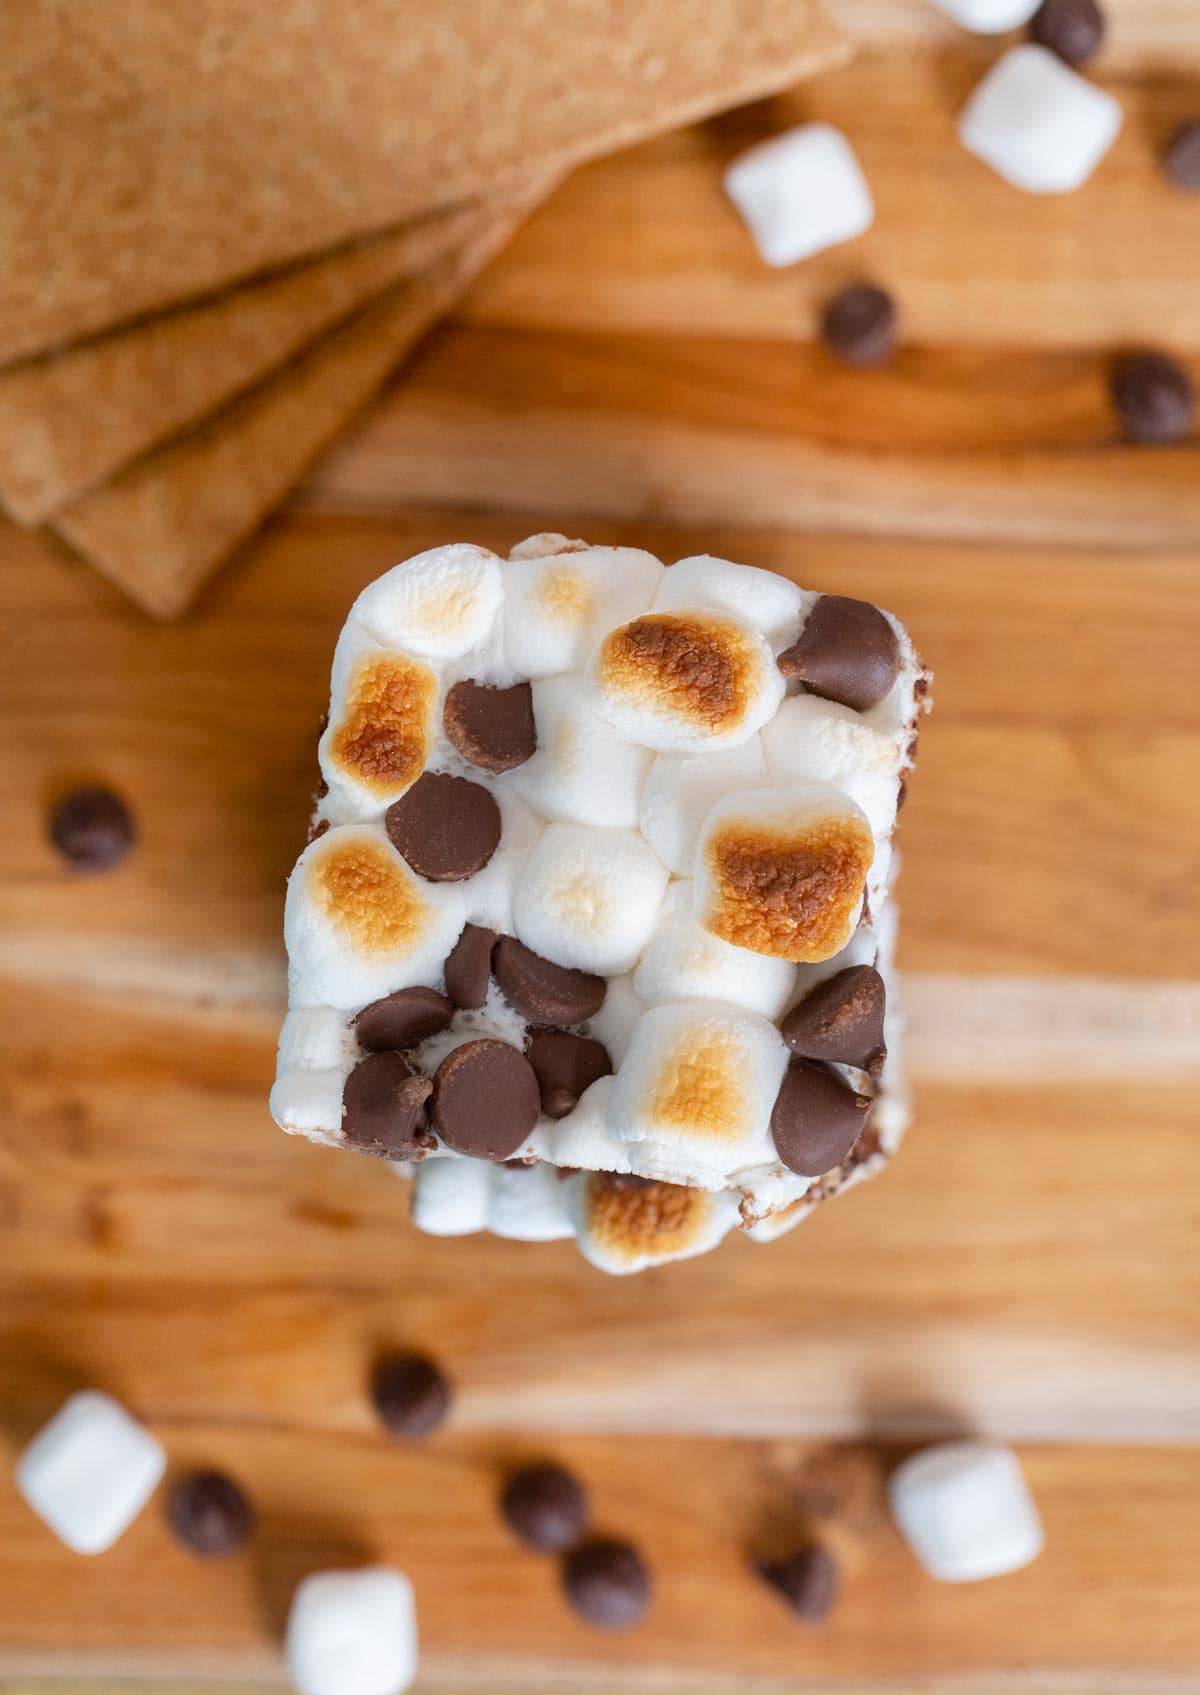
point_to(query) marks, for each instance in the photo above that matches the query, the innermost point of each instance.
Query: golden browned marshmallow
(627, 1223)
(783, 872)
(382, 727)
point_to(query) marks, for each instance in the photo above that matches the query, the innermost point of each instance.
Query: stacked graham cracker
(223, 225)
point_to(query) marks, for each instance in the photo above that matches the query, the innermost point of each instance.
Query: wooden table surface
(1029, 1266)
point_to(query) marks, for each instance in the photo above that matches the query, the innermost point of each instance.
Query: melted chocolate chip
(485, 1099)
(411, 1395)
(209, 1514)
(93, 829)
(816, 1119)
(492, 728)
(1154, 397)
(847, 651)
(402, 1020)
(447, 828)
(384, 1108)
(1073, 29)
(607, 1583)
(546, 1507)
(541, 991)
(1181, 158)
(469, 966)
(808, 1582)
(565, 1065)
(859, 325)
(841, 1019)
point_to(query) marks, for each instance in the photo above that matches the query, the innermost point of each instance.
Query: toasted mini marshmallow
(316, 1038)
(686, 962)
(382, 726)
(489, 893)
(439, 604)
(529, 1204)
(811, 740)
(616, 1020)
(309, 1103)
(762, 599)
(583, 772)
(782, 872)
(685, 682)
(679, 793)
(558, 605)
(359, 923)
(589, 898)
(451, 1196)
(626, 1224)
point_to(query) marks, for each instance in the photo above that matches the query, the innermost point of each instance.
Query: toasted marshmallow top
(439, 604)
(382, 723)
(558, 605)
(625, 1224)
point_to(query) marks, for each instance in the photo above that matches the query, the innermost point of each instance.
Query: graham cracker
(157, 153)
(70, 420)
(164, 525)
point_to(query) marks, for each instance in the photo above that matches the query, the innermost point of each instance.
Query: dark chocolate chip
(93, 829)
(1154, 397)
(447, 828)
(607, 1583)
(209, 1514)
(546, 1507)
(411, 1396)
(541, 991)
(1181, 158)
(565, 1066)
(469, 966)
(492, 728)
(808, 1581)
(859, 325)
(847, 652)
(816, 1119)
(402, 1020)
(841, 1019)
(384, 1107)
(485, 1099)
(1073, 29)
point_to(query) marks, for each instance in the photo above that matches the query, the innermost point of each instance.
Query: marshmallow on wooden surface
(626, 1224)
(529, 1204)
(766, 601)
(352, 1633)
(557, 606)
(617, 1019)
(90, 1471)
(450, 1196)
(965, 1510)
(382, 726)
(799, 192)
(1038, 123)
(684, 962)
(583, 772)
(439, 604)
(488, 895)
(679, 793)
(589, 898)
(989, 17)
(815, 740)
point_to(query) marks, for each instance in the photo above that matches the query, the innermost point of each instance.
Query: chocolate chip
(859, 325)
(816, 1119)
(847, 652)
(447, 828)
(808, 1581)
(469, 966)
(384, 1107)
(1073, 29)
(1154, 397)
(493, 728)
(93, 829)
(402, 1020)
(1181, 159)
(841, 1019)
(546, 1507)
(565, 1065)
(209, 1514)
(485, 1099)
(607, 1583)
(541, 991)
(411, 1396)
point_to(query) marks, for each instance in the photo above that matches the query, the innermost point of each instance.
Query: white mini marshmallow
(626, 1230)
(360, 666)
(814, 740)
(965, 1510)
(589, 898)
(352, 1633)
(582, 772)
(583, 1137)
(450, 1196)
(683, 962)
(557, 606)
(440, 604)
(1038, 123)
(616, 1020)
(316, 1038)
(528, 1204)
(309, 1103)
(763, 599)
(679, 793)
(800, 192)
(90, 1471)
(989, 17)
(488, 895)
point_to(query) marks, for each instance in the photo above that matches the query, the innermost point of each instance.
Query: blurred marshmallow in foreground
(989, 17)
(1039, 124)
(352, 1633)
(90, 1471)
(800, 192)
(965, 1510)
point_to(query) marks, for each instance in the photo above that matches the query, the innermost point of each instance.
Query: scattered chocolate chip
(1073, 29)
(493, 728)
(841, 1019)
(565, 1065)
(447, 828)
(485, 1099)
(1154, 397)
(541, 991)
(847, 652)
(402, 1020)
(411, 1395)
(816, 1119)
(93, 829)
(469, 966)
(546, 1507)
(808, 1582)
(209, 1514)
(384, 1107)
(607, 1583)
(1181, 159)
(859, 325)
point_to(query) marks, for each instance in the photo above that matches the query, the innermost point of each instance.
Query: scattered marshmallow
(685, 962)
(965, 1510)
(763, 599)
(589, 898)
(616, 1020)
(678, 793)
(582, 772)
(529, 1204)
(352, 1633)
(989, 17)
(90, 1471)
(623, 1227)
(1038, 123)
(450, 1196)
(439, 604)
(800, 192)
(558, 605)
